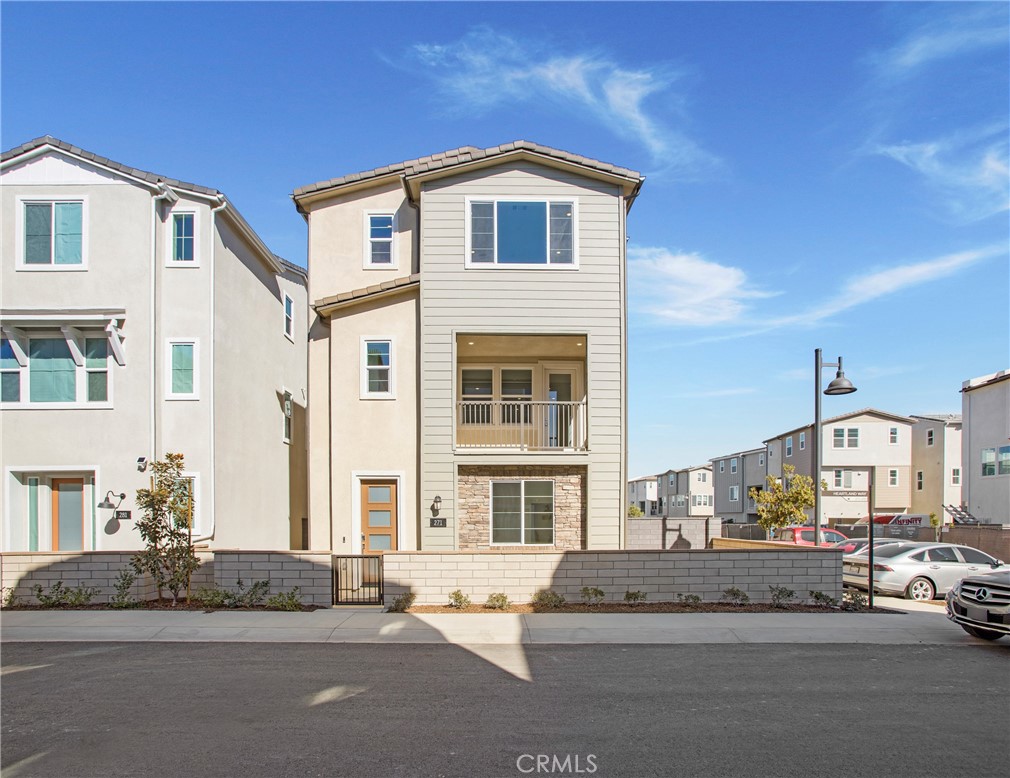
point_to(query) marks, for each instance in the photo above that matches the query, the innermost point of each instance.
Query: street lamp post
(839, 385)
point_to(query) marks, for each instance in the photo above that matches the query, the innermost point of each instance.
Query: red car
(804, 536)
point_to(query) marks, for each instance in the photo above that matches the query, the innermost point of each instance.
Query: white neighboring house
(853, 446)
(686, 493)
(467, 353)
(644, 493)
(936, 464)
(985, 412)
(142, 315)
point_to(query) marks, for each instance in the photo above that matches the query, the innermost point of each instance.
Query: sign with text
(437, 523)
(121, 515)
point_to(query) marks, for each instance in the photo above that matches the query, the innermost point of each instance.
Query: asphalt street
(250, 710)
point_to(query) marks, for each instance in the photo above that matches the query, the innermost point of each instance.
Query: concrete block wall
(312, 571)
(672, 534)
(21, 571)
(662, 575)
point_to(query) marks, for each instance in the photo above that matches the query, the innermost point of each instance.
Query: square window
(53, 234)
(522, 512)
(852, 438)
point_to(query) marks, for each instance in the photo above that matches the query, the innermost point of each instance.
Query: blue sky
(825, 175)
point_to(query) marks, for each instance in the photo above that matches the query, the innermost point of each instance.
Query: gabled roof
(152, 180)
(738, 454)
(291, 267)
(945, 418)
(448, 162)
(986, 380)
(326, 305)
(843, 417)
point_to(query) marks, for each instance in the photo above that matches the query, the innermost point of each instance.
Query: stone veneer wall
(662, 575)
(474, 506)
(312, 571)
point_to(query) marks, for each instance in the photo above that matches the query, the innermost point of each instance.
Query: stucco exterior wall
(985, 413)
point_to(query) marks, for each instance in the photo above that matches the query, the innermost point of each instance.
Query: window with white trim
(673, 480)
(288, 408)
(918, 480)
(955, 476)
(703, 476)
(681, 500)
(53, 234)
(59, 370)
(789, 446)
(929, 437)
(186, 496)
(1003, 461)
(845, 437)
(377, 376)
(183, 238)
(761, 459)
(988, 461)
(732, 465)
(892, 477)
(522, 513)
(843, 479)
(182, 370)
(722, 466)
(289, 316)
(803, 441)
(521, 232)
(734, 494)
(380, 249)
(892, 436)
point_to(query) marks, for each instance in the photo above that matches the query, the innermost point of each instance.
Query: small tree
(634, 512)
(934, 522)
(164, 526)
(783, 502)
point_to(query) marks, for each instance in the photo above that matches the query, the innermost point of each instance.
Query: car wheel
(984, 634)
(920, 589)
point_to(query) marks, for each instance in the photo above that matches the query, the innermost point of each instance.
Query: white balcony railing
(521, 424)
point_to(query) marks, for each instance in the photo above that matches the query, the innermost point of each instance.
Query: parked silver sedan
(917, 571)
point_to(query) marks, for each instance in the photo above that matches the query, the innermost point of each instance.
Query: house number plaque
(437, 523)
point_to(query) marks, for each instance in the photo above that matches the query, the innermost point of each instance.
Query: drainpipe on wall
(164, 194)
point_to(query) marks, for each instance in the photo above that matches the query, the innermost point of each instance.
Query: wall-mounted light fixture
(142, 464)
(436, 505)
(107, 503)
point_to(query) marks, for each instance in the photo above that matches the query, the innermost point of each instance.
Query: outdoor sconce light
(436, 506)
(142, 464)
(107, 503)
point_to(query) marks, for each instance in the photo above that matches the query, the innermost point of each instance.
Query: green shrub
(634, 597)
(123, 598)
(854, 601)
(212, 598)
(548, 599)
(735, 595)
(497, 601)
(458, 600)
(820, 598)
(402, 602)
(690, 600)
(251, 596)
(592, 595)
(286, 601)
(781, 596)
(9, 600)
(60, 596)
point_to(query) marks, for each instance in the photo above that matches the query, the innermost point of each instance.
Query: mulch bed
(648, 607)
(165, 604)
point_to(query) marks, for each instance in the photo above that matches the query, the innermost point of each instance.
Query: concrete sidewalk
(364, 626)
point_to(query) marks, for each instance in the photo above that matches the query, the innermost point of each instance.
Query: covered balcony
(521, 392)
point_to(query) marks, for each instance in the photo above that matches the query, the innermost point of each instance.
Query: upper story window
(672, 479)
(702, 476)
(288, 412)
(892, 477)
(182, 374)
(955, 476)
(289, 317)
(734, 494)
(380, 250)
(732, 465)
(918, 480)
(184, 238)
(843, 479)
(521, 232)
(789, 446)
(761, 459)
(993, 465)
(52, 234)
(845, 437)
(803, 441)
(377, 369)
(722, 466)
(929, 437)
(58, 370)
(892, 436)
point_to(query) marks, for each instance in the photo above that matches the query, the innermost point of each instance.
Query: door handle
(934, 567)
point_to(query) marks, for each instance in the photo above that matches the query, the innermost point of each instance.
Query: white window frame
(75, 338)
(733, 465)
(522, 514)
(722, 465)
(366, 235)
(734, 493)
(892, 436)
(195, 343)
(287, 414)
(187, 210)
(702, 476)
(573, 265)
(789, 446)
(843, 479)
(850, 434)
(364, 394)
(673, 480)
(289, 321)
(930, 437)
(955, 476)
(19, 234)
(919, 480)
(803, 441)
(761, 460)
(198, 529)
(892, 478)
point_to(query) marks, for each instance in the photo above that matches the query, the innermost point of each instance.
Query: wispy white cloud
(486, 69)
(686, 289)
(969, 28)
(970, 172)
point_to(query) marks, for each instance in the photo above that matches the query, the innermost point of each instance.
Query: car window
(891, 549)
(941, 554)
(974, 556)
(787, 534)
(807, 534)
(920, 557)
(834, 537)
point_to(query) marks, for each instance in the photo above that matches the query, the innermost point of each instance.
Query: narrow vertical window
(10, 374)
(183, 237)
(892, 436)
(789, 446)
(988, 461)
(955, 476)
(803, 441)
(852, 440)
(33, 514)
(182, 371)
(288, 412)
(562, 248)
(377, 369)
(289, 317)
(379, 240)
(918, 480)
(96, 365)
(732, 465)
(892, 477)
(929, 437)
(838, 438)
(1003, 461)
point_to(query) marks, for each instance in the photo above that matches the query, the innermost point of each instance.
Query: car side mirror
(997, 563)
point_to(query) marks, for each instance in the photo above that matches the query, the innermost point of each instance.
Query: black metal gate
(357, 580)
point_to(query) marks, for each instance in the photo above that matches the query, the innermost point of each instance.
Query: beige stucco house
(985, 412)
(142, 315)
(853, 446)
(686, 493)
(467, 352)
(936, 464)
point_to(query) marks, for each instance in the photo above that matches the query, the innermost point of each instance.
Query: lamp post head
(840, 385)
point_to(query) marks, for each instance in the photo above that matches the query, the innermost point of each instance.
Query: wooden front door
(68, 514)
(378, 516)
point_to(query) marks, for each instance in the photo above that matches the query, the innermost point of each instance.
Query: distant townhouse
(985, 411)
(643, 493)
(936, 464)
(142, 315)
(686, 493)
(734, 476)
(854, 446)
(467, 352)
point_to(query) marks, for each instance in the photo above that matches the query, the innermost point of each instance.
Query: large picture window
(522, 232)
(52, 235)
(522, 512)
(56, 370)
